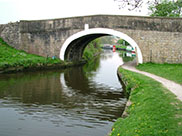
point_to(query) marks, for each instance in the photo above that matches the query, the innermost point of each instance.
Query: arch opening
(74, 46)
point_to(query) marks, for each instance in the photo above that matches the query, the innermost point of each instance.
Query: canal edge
(128, 103)
(40, 67)
(124, 82)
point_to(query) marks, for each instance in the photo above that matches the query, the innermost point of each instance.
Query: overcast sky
(15, 10)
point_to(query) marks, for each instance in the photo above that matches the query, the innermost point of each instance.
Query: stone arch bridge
(156, 40)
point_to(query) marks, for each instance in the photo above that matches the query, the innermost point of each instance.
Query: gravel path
(170, 85)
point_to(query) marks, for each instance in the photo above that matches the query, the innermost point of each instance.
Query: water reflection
(77, 101)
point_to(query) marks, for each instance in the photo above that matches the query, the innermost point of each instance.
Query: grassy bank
(121, 47)
(10, 57)
(154, 110)
(12, 60)
(92, 49)
(168, 71)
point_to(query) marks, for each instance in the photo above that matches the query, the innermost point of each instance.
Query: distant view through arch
(73, 47)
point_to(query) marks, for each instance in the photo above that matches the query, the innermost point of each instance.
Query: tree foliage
(134, 4)
(123, 42)
(92, 49)
(108, 40)
(167, 8)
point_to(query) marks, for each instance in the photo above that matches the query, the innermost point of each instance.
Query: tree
(167, 8)
(123, 42)
(120, 41)
(108, 40)
(134, 4)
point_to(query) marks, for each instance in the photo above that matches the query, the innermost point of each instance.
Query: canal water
(79, 101)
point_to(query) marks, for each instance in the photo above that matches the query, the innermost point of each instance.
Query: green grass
(91, 51)
(10, 57)
(169, 71)
(121, 46)
(117, 46)
(154, 111)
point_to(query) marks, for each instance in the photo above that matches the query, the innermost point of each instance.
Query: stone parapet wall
(105, 21)
(1, 28)
(11, 34)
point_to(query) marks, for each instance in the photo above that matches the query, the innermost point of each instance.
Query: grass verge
(154, 110)
(10, 57)
(169, 71)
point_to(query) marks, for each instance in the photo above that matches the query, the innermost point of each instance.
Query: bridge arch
(73, 47)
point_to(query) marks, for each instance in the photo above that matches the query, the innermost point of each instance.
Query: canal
(79, 101)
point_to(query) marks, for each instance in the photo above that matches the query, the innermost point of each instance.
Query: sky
(16, 10)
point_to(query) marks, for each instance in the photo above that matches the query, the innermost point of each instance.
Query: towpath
(170, 85)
